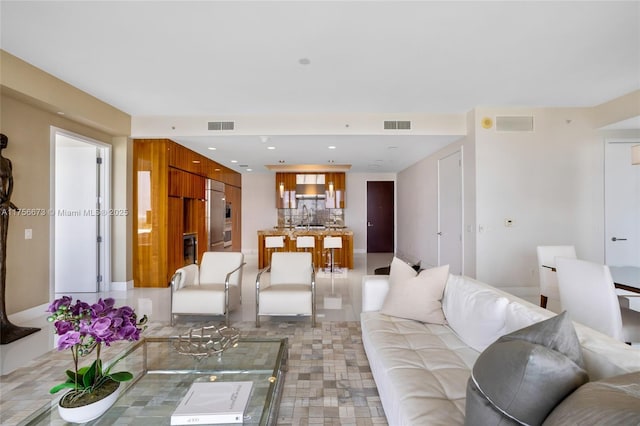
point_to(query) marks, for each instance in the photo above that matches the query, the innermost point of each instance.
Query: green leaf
(121, 376)
(89, 376)
(65, 385)
(72, 376)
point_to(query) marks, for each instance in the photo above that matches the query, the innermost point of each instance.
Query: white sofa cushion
(418, 298)
(421, 370)
(476, 314)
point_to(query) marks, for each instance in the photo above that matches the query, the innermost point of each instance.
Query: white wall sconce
(331, 189)
(281, 189)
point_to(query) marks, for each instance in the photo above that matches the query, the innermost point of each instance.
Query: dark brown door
(380, 217)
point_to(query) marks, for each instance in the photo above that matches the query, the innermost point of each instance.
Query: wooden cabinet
(233, 197)
(186, 185)
(321, 257)
(169, 192)
(285, 190)
(339, 182)
(285, 184)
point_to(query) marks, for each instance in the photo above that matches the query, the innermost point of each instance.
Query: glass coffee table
(162, 377)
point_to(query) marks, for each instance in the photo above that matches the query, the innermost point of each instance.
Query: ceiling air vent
(514, 124)
(397, 125)
(221, 125)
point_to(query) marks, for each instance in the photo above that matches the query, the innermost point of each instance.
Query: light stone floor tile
(328, 379)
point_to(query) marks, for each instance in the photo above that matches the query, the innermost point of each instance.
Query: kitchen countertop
(295, 232)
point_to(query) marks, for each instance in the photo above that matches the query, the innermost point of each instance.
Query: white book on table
(213, 403)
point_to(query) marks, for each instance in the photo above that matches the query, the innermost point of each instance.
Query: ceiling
(229, 60)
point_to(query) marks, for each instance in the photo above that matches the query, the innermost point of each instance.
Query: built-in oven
(227, 225)
(190, 248)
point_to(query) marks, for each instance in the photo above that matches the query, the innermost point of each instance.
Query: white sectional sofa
(421, 370)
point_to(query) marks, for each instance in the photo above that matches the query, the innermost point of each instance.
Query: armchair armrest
(374, 291)
(187, 275)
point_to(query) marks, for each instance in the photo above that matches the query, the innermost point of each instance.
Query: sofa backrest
(216, 265)
(467, 305)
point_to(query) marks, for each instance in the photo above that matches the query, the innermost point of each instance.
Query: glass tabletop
(163, 376)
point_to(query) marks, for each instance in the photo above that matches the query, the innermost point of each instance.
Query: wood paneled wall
(169, 192)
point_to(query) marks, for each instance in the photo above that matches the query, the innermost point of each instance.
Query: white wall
(417, 205)
(259, 211)
(549, 182)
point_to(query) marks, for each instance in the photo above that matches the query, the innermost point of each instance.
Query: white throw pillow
(418, 298)
(400, 271)
(476, 314)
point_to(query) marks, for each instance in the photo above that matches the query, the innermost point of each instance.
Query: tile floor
(316, 392)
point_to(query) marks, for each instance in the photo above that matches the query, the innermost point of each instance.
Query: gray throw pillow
(612, 401)
(521, 377)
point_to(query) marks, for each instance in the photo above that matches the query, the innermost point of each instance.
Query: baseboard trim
(29, 314)
(121, 285)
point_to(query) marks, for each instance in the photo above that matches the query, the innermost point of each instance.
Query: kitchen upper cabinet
(285, 190)
(285, 184)
(168, 192)
(335, 199)
(185, 185)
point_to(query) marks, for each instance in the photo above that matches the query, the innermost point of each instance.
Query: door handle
(439, 234)
(618, 239)
(369, 223)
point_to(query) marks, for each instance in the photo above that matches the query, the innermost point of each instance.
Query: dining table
(624, 277)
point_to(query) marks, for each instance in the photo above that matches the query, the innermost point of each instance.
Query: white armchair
(290, 289)
(213, 288)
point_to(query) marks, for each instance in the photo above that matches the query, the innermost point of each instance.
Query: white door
(76, 238)
(622, 205)
(450, 212)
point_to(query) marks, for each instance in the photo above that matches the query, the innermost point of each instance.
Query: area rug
(328, 380)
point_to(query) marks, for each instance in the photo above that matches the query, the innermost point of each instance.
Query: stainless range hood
(310, 186)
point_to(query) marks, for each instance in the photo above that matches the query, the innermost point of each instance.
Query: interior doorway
(380, 217)
(80, 213)
(622, 204)
(450, 207)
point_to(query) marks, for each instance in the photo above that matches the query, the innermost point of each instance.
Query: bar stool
(272, 244)
(332, 243)
(306, 242)
(333, 300)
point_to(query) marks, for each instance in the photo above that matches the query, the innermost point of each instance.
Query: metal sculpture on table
(8, 331)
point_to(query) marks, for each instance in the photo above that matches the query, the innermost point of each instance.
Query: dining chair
(288, 287)
(548, 277)
(211, 288)
(588, 294)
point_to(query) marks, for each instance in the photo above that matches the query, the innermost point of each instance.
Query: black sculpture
(8, 331)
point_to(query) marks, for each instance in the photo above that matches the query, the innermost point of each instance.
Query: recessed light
(216, 170)
(249, 170)
(332, 147)
(271, 147)
(195, 161)
(234, 161)
(212, 148)
(60, 112)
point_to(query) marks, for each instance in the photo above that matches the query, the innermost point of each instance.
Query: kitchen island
(321, 257)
